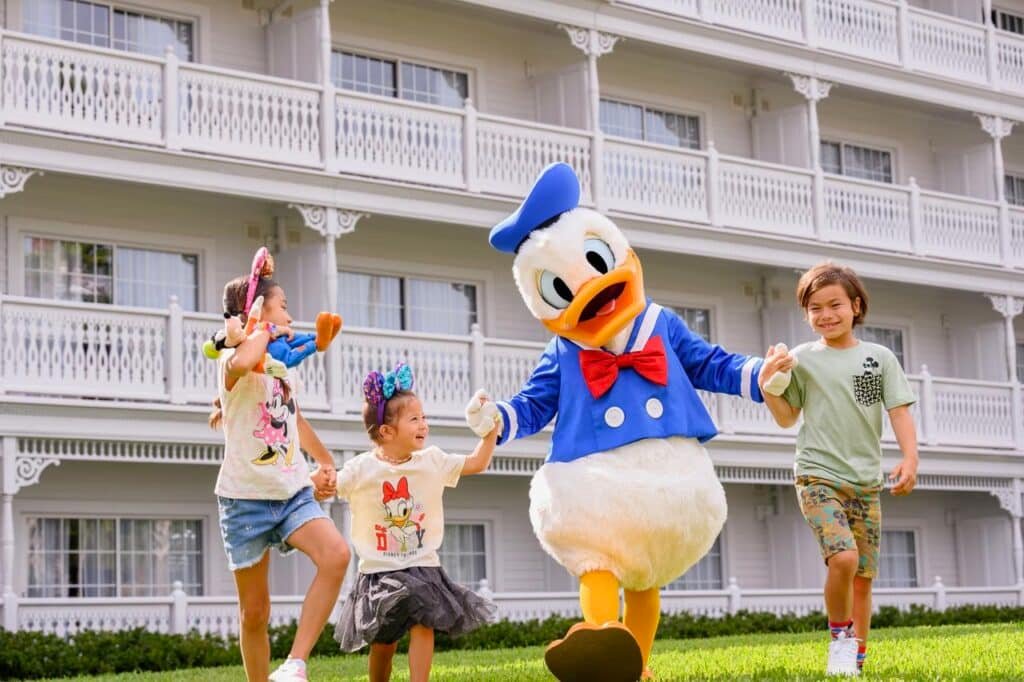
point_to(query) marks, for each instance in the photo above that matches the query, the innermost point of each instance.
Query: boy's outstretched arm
(905, 473)
(481, 457)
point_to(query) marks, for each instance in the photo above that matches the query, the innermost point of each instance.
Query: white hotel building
(148, 147)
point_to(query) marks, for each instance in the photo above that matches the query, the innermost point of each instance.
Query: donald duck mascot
(627, 497)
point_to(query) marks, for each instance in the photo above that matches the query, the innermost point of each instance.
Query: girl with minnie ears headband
(264, 488)
(394, 491)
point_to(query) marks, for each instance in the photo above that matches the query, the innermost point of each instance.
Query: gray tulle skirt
(384, 606)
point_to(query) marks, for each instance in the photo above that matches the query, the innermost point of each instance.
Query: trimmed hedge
(31, 655)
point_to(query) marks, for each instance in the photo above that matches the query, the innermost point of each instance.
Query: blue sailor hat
(556, 190)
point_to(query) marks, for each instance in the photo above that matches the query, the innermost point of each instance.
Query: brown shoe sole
(592, 653)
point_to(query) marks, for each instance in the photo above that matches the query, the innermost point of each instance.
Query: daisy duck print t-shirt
(397, 515)
(262, 459)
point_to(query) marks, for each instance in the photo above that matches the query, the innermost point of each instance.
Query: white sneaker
(294, 670)
(842, 656)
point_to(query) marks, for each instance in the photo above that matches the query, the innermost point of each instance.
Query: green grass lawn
(963, 652)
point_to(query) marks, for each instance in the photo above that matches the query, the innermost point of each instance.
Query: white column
(991, 56)
(593, 44)
(1010, 500)
(1010, 307)
(331, 223)
(814, 89)
(998, 127)
(171, 138)
(10, 487)
(327, 101)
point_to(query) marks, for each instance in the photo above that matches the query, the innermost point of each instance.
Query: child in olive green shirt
(841, 385)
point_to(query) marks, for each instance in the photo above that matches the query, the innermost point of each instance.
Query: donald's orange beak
(603, 306)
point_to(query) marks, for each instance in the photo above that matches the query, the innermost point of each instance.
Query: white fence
(179, 613)
(56, 86)
(67, 349)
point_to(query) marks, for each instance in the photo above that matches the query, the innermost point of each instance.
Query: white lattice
(82, 90)
(511, 154)
(682, 8)
(508, 366)
(68, 617)
(74, 349)
(765, 198)
(866, 213)
(956, 227)
(248, 116)
(120, 451)
(1017, 236)
(1010, 56)
(946, 46)
(402, 141)
(864, 28)
(199, 373)
(973, 414)
(777, 18)
(658, 181)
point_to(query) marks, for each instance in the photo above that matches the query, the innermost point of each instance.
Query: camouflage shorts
(844, 517)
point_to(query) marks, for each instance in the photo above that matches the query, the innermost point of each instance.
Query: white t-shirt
(262, 458)
(397, 514)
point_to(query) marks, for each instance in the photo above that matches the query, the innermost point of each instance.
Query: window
(464, 553)
(856, 162)
(420, 305)
(397, 78)
(109, 557)
(888, 337)
(104, 25)
(642, 123)
(697, 319)
(1020, 362)
(107, 273)
(1014, 189)
(898, 567)
(706, 574)
(1014, 23)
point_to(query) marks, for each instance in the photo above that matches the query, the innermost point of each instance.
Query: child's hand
(325, 482)
(905, 476)
(774, 376)
(482, 415)
(283, 330)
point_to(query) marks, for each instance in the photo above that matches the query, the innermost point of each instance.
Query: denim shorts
(250, 527)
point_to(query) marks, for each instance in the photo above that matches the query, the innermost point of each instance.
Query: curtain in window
(463, 554)
(441, 307)
(898, 561)
(370, 300)
(706, 574)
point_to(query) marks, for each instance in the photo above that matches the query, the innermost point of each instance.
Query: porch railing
(79, 350)
(56, 86)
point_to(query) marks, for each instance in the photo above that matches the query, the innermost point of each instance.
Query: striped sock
(862, 653)
(837, 628)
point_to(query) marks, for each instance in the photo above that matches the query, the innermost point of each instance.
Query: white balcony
(885, 31)
(159, 103)
(76, 350)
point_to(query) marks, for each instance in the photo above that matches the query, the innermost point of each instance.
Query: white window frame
(1017, 175)
(481, 279)
(998, 11)
(470, 73)
(198, 15)
(662, 109)
(902, 329)
(19, 228)
(711, 303)
(491, 520)
(64, 512)
(915, 528)
(1020, 361)
(874, 144)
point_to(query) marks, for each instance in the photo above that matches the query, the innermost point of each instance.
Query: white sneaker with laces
(842, 656)
(294, 670)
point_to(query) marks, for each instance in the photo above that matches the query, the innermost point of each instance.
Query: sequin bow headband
(379, 388)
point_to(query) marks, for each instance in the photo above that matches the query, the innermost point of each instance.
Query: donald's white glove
(482, 414)
(779, 381)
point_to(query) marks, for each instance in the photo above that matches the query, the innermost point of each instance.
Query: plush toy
(282, 352)
(627, 497)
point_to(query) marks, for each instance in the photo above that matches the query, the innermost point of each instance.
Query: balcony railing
(78, 350)
(56, 86)
(885, 31)
(179, 613)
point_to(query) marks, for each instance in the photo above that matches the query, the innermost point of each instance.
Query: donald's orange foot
(648, 675)
(595, 652)
(327, 327)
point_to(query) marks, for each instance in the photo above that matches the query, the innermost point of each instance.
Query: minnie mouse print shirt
(397, 514)
(262, 459)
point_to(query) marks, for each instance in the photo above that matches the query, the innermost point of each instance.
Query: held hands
(904, 476)
(776, 370)
(325, 483)
(482, 415)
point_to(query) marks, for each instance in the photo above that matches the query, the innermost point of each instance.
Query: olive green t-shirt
(842, 393)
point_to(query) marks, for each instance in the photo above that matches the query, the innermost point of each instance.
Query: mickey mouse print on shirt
(402, 532)
(272, 429)
(867, 386)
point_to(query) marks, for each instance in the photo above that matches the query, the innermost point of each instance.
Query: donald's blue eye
(599, 255)
(554, 290)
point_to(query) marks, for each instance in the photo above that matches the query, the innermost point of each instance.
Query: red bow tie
(401, 492)
(601, 368)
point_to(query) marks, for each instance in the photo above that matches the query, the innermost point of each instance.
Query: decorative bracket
(328, 220)
(811, 87)
(21, 471)
(591, 42)
(1006, 305)
(13, 178)
(996, 126)
(1010, 499)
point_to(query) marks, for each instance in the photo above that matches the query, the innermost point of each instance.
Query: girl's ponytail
(216, 418)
